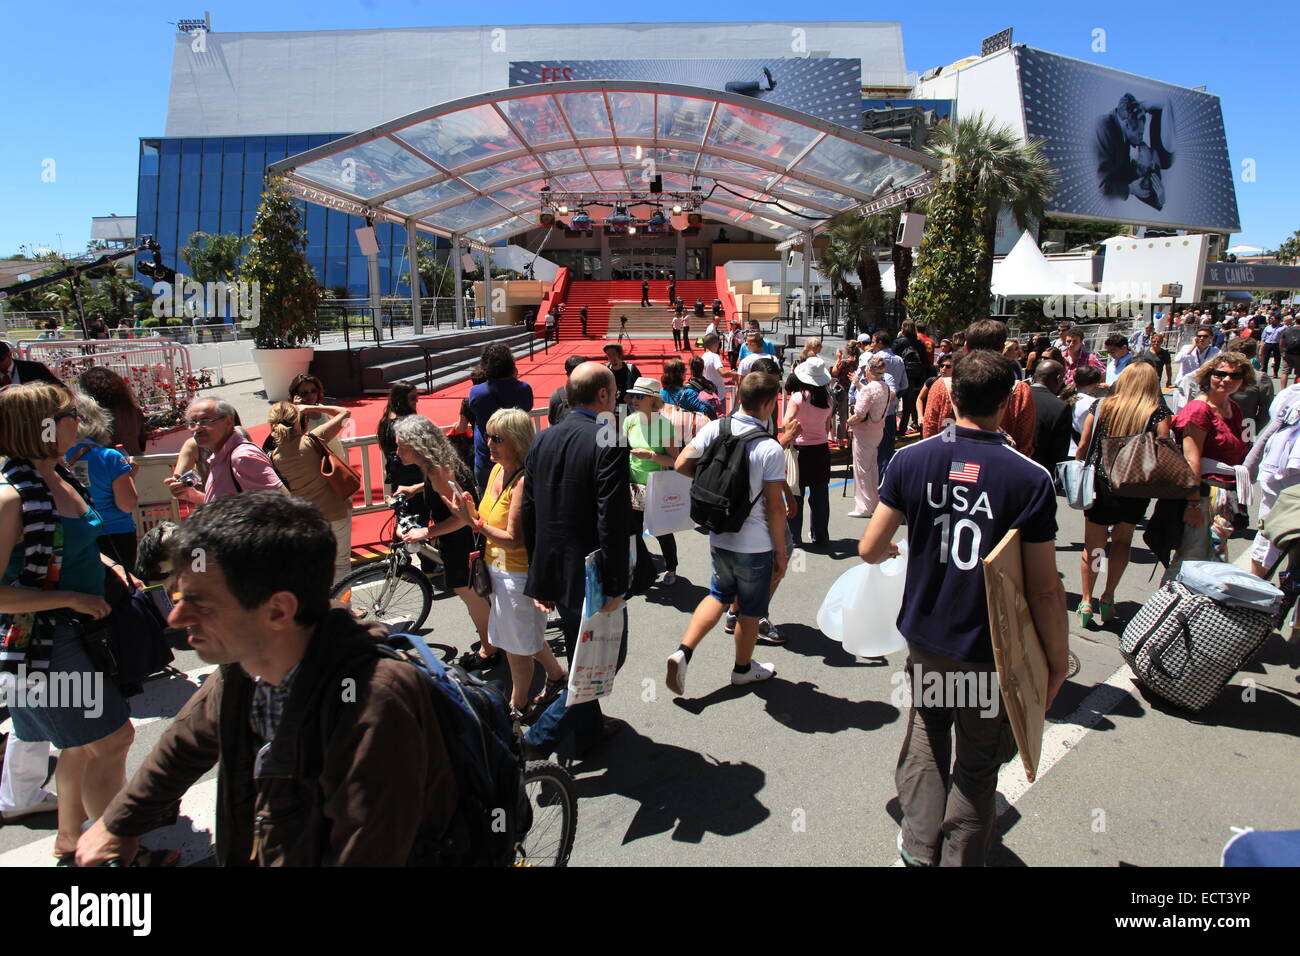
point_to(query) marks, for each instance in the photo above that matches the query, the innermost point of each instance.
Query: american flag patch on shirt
(967, 471)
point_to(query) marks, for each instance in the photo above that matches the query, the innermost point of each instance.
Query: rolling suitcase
(1185, 646)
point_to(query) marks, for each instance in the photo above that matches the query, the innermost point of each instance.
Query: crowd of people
(959, 438)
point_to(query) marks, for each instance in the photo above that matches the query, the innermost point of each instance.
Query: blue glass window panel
(146, 195)
(212, 157)
(187, 223)
(191, 156)
(232, 221)
(296, 144)
(254, 154)
(169, 162)
(231, 184)
(189, 193)
(252, 191)
(210, 221)
(149, 157)
(210, 192)
(275, 148)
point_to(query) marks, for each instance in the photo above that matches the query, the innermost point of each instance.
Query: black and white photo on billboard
(1134, 148)
(1127, 147)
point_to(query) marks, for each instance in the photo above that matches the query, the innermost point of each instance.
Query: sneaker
(859, 514)
(907, 858)
(676, 679)
(767, 632)
(48, 803)
(729, 623)
(756, 673)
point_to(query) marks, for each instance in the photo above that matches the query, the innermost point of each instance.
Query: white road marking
(191, 834)
(1062, 736)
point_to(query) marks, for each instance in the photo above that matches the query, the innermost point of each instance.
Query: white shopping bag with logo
(668, 503)
(600, 635)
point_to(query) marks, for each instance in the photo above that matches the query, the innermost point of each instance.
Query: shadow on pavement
(679, 790)
(1268, 712)
(810, 642)
(801, 707)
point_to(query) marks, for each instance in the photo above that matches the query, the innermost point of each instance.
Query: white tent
(1027, 273)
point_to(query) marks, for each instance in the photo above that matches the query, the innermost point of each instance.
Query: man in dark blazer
(1052, 432)
(576, 501)
(15, 372)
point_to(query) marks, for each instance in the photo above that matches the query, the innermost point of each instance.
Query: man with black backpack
(738, 495)
(328, 752)
(908, 347)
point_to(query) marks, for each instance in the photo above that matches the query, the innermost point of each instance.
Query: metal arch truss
(478, 170)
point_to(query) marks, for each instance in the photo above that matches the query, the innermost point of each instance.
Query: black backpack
(492, 810)
(720, 499)
(1291, 340)
(914, 364)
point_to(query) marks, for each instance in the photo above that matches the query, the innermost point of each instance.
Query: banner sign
(826, 87)
(1127, 147)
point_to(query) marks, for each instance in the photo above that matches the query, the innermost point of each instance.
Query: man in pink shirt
(236, 464)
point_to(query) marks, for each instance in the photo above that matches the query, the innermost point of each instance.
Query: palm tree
(859, 238)
(213, 257)
(1004, 172)
(836, 265)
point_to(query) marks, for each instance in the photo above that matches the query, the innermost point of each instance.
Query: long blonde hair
(283, 416)
(1133, 401)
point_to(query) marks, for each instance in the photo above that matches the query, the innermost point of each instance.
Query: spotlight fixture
(677, 207)
(631, 230)
(620, 216)
(658, 217)
(562, 209)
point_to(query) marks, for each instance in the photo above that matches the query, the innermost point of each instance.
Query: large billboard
(826, 87)
(1127, 147)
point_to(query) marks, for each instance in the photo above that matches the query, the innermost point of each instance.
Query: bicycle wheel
(553, 801)
(399, 599)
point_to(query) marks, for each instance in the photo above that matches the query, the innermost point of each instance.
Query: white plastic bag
(595, 659)
(861, 608)
(668, 503)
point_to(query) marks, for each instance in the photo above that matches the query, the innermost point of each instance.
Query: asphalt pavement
(799, 770)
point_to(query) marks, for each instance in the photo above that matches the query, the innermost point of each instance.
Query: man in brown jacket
(1019, 420)
(327, 752)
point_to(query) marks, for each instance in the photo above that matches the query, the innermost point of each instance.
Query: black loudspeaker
(657, 184)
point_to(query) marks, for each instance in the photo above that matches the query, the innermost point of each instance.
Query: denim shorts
(92, 710)
(744, 578)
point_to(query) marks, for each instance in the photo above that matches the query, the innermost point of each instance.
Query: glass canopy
(474, 169)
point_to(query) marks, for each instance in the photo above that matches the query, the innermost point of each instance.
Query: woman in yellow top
(297, 459)
(515, 623)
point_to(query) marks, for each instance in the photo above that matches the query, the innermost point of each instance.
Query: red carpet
(544, 372)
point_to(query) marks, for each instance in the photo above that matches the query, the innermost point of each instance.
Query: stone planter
(278, 367)
(167, 442)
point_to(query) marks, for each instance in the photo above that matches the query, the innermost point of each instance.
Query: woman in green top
(652, 442)
(54, 582)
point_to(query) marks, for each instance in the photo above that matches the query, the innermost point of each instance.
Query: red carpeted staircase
(606, 301)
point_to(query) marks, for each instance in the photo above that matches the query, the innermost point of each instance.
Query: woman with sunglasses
(1210, 428)
(52, 587)
(308, 390)
(945, 371)
(867, 425)
(516, 624)
(421, 442)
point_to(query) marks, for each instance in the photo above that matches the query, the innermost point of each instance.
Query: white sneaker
(48, 803)
(676, 679)
(859, 514)
(756, 673)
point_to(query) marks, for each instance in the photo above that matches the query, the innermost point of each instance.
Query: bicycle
(551, 816)
(391, 590)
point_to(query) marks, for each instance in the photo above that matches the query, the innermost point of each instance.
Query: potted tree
(284, 292)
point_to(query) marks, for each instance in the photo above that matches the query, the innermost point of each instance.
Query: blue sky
(86, 80)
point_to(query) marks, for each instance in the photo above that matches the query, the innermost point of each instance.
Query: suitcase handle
(1157, 659)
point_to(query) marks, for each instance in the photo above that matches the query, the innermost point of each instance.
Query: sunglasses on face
(306, 393)
(494, 439)
(1235, 376)
(1202, 335)
(70, 413)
